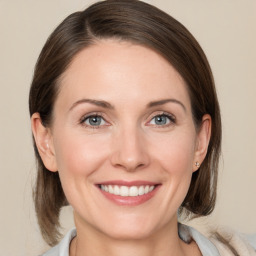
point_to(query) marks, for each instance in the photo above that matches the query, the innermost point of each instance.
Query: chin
(129, 233)
(131, 229)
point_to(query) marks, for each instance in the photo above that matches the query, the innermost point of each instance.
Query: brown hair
(143, 24)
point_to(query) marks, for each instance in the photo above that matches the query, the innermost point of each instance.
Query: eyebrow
(107, 105)
(164, 101)
(100, 103)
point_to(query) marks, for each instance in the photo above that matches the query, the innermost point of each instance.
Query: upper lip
(128, 183)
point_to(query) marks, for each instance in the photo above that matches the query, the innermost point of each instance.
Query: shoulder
(243, 244)
(62, 249)
(205, 245)
(251, 240)
(221, 243)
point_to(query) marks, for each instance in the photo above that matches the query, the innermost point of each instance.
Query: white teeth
(124, 191)
(127, 191)
(133, 191)
(141, 190)
(110, 189)
(116, 190)
(151, 188)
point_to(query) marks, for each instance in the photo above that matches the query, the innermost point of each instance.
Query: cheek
(176, 153)
(79, 155)
(176, 160)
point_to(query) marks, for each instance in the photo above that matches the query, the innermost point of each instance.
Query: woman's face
(123, 140)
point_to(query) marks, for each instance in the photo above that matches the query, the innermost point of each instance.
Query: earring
(197, 164)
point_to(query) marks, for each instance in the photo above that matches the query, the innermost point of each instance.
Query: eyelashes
(93, 120)
(162, 120)
(97, 120)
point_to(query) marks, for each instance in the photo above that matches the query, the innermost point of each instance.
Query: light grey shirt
(186, 233)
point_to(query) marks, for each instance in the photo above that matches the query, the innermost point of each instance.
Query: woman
(126, 125)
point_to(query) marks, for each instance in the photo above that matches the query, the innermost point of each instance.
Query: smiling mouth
(127, 191)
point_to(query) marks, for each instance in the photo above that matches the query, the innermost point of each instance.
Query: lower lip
(130, 200)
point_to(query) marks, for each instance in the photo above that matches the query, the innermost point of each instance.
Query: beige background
(226, 30)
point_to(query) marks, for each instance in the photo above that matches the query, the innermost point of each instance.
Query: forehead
(112, 69)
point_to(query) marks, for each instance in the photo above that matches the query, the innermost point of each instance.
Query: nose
(130, 150)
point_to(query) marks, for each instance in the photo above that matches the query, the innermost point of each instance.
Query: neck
(164, 242)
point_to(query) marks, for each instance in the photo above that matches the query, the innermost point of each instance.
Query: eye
(162, 120)
(94, 120)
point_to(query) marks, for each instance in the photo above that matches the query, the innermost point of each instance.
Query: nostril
(140, 165)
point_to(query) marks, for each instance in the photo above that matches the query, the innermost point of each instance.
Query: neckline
(186, 233)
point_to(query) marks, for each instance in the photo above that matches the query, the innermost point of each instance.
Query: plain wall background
(226, 29)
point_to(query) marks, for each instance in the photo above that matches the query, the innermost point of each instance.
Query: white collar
(186, 233)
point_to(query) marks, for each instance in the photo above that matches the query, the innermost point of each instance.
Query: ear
(44, 142)
(203, 139)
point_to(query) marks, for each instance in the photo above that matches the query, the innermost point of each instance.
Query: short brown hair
(142, 24)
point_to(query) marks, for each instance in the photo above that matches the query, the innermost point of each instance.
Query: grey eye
(94, 121)
(160, 120)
